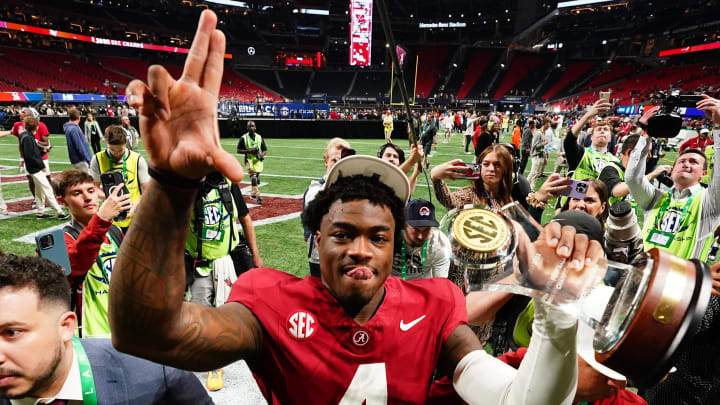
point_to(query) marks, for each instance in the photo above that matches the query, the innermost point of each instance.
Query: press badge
(662, 239)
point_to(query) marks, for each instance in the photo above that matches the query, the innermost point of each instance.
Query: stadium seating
(432, 61)
(332, 83)
(371, 84)
(615, 71)
(295, 83)
(478, 61)
(39, 78)
(573, 71)
(521, 64)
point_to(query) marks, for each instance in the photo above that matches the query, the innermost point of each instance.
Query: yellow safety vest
(129, 167)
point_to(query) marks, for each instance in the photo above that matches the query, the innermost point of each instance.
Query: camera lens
(47, 241)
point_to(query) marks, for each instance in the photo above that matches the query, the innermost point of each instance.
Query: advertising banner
(20, 96)
(78, 98)
(360, 32)
(279, 110)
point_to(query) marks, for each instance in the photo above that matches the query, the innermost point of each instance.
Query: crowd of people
(385, 314)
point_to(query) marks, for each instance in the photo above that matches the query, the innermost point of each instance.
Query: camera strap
(124, 162)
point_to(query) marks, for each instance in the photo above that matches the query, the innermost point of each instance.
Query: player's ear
(318, 236)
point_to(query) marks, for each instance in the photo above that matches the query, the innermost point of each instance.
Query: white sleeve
(94, 170)
(642, 191)
(440, 254)
(547, 374)
(711, 203)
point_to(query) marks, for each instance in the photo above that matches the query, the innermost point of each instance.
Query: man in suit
(40, 358)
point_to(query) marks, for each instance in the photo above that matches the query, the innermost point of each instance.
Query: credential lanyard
(86, 376)
(124, 162)
(403, 271)
(666, 204)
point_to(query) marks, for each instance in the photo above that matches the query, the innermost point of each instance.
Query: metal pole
(390, 39)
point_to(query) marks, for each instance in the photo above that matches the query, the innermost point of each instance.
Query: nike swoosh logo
(406, 326)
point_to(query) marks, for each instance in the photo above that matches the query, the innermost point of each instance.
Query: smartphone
(605, 95)
(472, 171)
(51, 245)
(577, 189)
(109, 181)
(689, 100)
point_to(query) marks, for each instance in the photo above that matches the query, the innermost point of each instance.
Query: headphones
(515, 159)
(400, 152)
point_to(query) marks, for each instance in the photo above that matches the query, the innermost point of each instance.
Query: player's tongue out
(360, 273)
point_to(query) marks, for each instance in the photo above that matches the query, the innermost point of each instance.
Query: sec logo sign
(301, 325)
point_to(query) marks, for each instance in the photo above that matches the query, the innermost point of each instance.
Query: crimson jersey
(313, 352)
(42, 131)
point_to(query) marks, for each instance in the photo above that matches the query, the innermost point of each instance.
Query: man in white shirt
(423, 251)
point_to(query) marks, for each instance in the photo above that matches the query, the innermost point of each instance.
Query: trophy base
(666, 320)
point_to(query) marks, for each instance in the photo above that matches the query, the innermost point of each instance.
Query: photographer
(681, 219)
(118, 157)
(92, 243)
(589, 162)
(215, 251)
(252, 145)
(613, 175)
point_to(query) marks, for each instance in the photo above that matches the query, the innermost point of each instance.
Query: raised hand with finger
(178, 118)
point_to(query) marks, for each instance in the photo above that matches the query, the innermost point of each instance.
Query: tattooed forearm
(149, 277)
(147, 314)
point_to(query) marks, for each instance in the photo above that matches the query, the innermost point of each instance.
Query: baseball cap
(370, 166)
(704, 131)
(420, 212)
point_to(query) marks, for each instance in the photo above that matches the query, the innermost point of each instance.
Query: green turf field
(289, 167)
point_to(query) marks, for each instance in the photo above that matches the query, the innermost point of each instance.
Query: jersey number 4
(369, 385)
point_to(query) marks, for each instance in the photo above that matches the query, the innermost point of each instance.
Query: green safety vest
(256, 164)
(129, 168)
(218, 234)
(681, 230)
(628, 198)
(95, 292)
(593, 163)
(709, 154)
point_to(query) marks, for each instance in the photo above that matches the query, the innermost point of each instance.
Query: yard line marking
(279, 218)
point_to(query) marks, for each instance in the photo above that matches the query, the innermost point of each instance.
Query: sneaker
(63, 216)
(259, 200)
(43, 216)
(215, 380)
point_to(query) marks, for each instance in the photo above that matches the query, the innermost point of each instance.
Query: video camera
(667, 122)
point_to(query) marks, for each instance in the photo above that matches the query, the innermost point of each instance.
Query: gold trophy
(641, 321)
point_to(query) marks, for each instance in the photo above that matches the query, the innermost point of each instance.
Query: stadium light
(574, 3)
(229, 3)
(312, 11)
